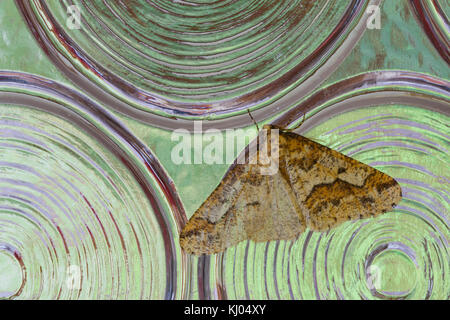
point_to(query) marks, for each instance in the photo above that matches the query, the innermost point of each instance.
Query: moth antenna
(297, 126)
(256, 124)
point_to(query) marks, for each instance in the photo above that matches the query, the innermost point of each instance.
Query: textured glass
(92, 203)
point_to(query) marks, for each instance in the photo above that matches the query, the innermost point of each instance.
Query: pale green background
(399, 44)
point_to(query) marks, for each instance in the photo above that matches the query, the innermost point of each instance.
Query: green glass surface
(408, 142)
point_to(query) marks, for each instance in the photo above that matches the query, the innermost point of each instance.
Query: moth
(313, 187)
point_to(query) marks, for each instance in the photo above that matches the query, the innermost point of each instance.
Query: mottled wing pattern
(277, 216)
(263, 208)
(315, 187)
(332, 188)
(215, 226)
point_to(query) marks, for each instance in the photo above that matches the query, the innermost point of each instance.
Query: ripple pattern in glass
(81, 217)
(194, 59)
(400, 255)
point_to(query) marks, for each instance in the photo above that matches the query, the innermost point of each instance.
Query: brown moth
(314, 187)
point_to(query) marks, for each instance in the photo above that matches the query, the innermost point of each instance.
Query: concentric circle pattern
(87, 211)
(79, 216)
(194, 58)
(400, 255)
(433, 15)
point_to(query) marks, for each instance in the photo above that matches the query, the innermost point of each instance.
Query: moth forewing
(288, 183)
